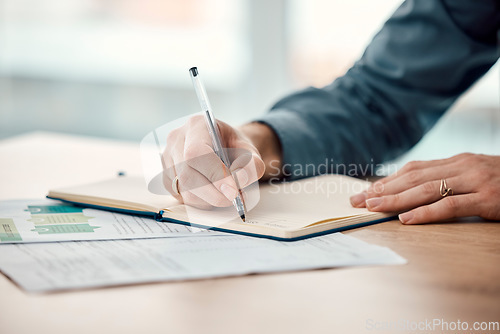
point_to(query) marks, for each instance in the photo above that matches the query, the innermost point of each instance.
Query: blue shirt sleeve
(426, 55)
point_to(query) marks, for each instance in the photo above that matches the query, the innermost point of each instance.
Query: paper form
(46, 220)
(41, 267)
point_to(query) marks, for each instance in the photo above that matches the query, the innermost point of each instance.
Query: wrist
(268, 144)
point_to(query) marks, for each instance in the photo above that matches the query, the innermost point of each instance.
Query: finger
(247, 168)
(175, 168)
(167, 183)
(204, 161)
(413, 173)
(191, 199)
(169, 174)
(418, 165)
(206, 177)
(412, 179)
(200, 155)
(191, 181)
(426, 193)
(447, 208)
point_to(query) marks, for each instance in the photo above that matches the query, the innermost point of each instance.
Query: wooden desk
(453, 271)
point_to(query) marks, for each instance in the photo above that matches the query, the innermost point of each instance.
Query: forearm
(410, 74)
(267, 143)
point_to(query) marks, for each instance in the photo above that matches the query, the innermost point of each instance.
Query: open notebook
(286, 211)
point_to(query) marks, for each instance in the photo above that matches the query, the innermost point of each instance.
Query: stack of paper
(172, 252)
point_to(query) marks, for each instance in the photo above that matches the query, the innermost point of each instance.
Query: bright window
(151, 42)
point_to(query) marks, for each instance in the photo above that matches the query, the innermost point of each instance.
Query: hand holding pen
(196, 171)
(215, 135)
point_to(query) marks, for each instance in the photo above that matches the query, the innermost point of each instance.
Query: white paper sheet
(41, 267)
(45, 220)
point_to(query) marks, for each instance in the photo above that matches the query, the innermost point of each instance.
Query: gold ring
(444, 190)
(175, 185)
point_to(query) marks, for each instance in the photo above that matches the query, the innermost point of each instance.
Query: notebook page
(286, 206)
(131, 192)
(289, 206)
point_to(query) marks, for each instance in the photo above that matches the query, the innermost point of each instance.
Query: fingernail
(358, 199)
(372, 203)
(406, 217)
(242, 176)
(228, 191)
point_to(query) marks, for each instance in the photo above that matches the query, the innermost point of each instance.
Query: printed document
(39, 267)
(23, 221)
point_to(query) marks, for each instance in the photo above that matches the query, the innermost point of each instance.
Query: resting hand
(415, 190)
(203, 180)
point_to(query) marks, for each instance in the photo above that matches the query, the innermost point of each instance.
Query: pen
(213, 130)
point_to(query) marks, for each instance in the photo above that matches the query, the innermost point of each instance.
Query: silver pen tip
(243, 217)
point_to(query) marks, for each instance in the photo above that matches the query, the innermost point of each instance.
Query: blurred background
(119, 68)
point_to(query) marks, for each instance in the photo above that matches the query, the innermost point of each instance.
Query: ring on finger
(444, 190)
(175, 185)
